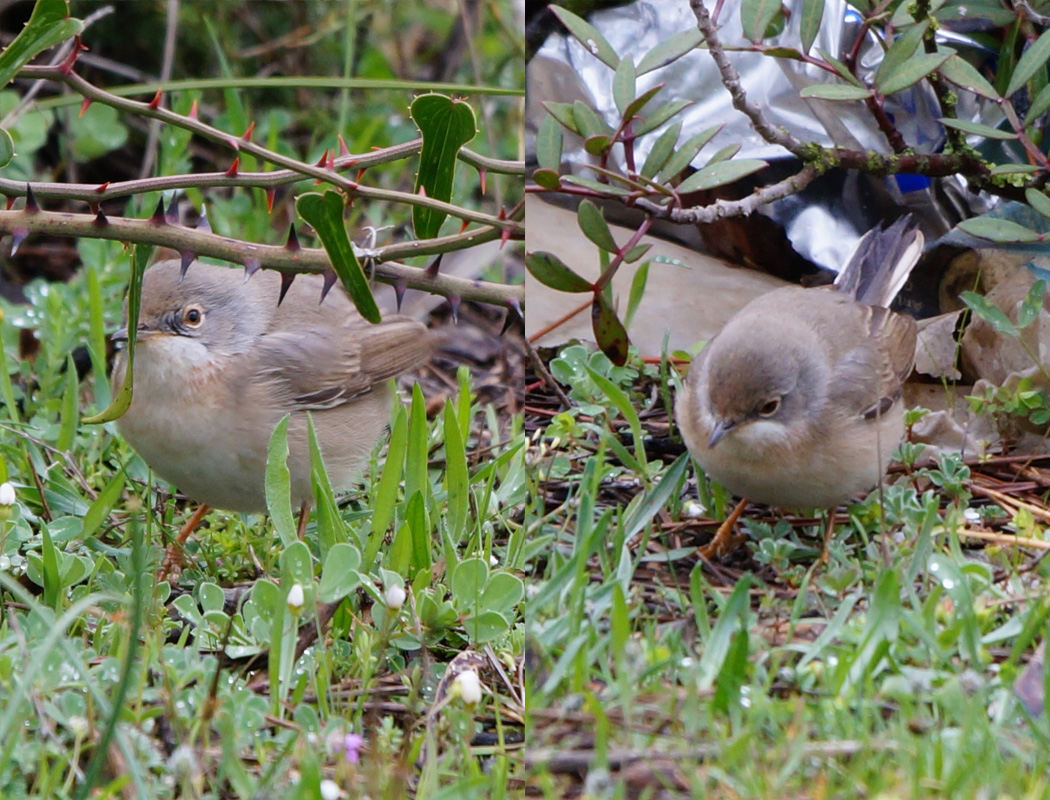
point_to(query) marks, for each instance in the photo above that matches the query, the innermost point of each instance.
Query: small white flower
(7, 494)
(330, 790)
(394, 597)
(971, 515)
(79, 726)
(493, 561)
(469, 687)
(693, 509)
(296, 598)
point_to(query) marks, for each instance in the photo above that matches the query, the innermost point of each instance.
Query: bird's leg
(723, 543)
(304, 516)
(171, 566)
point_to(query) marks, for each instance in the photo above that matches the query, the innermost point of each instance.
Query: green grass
(888, 673)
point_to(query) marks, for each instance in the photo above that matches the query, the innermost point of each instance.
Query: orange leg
(304, 517)
(723, 544)
(171, 566)
(829, 533)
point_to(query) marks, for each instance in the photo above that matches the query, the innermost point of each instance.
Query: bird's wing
(314, 368)
(869, 378)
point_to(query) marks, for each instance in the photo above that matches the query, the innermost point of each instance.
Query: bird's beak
(121, 335)
(722, 427)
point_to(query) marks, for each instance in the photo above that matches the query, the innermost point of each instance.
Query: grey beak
(120, 335)
(722, 427)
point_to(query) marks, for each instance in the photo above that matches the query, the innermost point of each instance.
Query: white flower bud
(394, 597)
(296, 598)
(469, 687)
(330, 790)
(7, 494)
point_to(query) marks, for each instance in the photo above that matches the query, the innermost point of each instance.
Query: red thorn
(187, 259)
(343, 151)
(10, 202)
(463, 225)
(483, 174)
(193, 111)
(251, 266)
(66, 66)
(18, 235)
(202, 223)
(323, 160)
(247, 136)
(432, 268)
(32, 206)
(102, 187)
(286, 284)
(232, 171)
(100, 219)
(94, 208)
(330, 162)
(271, 193)
(85, 106)
(155, 102)
(329, 281)
(293, 241)
(453, 301)
(158, 215)
(399, 292)
(360, 175)
(422, 191)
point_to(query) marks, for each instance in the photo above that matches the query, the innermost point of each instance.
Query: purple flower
(352, 745)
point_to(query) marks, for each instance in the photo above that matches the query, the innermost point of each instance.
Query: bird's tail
(881, 262)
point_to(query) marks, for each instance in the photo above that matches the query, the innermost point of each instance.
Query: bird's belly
(821, 476)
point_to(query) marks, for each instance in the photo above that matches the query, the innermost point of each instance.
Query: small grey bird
(797, 401)
(218, 363)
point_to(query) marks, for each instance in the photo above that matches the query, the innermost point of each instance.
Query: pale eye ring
(193, 316)
(769, 408)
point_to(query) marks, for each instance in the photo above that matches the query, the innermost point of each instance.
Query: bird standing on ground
(219, 362)
(796, 402)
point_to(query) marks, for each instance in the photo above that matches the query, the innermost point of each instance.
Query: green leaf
(389, 484)
(589, 122)
(446, 125)
(670, 50)
(551, 271)
(990, 313)
(1033, 59)
(596, 186)
(717, 646)
(121, 403)
(48, 25)
(910, 73)
(457, 478)
(485, 627)
(976, 128)
(597, 145)
(661, 115)
(467, 583)
(840, 68)
(69, 417)
(592, 223)
(1032, 305)
(279, 484)
(733, 674)
(103, 505)
(609, 332)
(661, 150)
(999, 230)
(564, 114)
(7, 148)
(1038, 200)
(720, 174)
(638, 283)
(339, 575)
(881, 624)
(331, 529)
(324, 213)
(959, 71)
(809, 26)
(49, 569)
(587, 35)
(641, 101)
(756, 16)
(618, 397)
(549, 145)
(724, 154)
(546, 178)
(1039, 106)
(835, 91)
(624, 85)
(416, 448)
(901, 51)
(685, 154)
(502, 593)
(97, 132)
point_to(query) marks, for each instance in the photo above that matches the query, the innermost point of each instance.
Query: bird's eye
(769, 408)
(193, 316)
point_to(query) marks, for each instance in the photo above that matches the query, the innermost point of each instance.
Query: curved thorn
(232, 171)
(85, 106)
(18, 235)
(399, 292)
(155, 102)
(251, 266)
(329, 281)
(158, 215)
(293, 240)
(187, 259)
(432, 268)
(100, 219)
(202, 222)
(271, 193)
(286, 284)
(31, 204)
